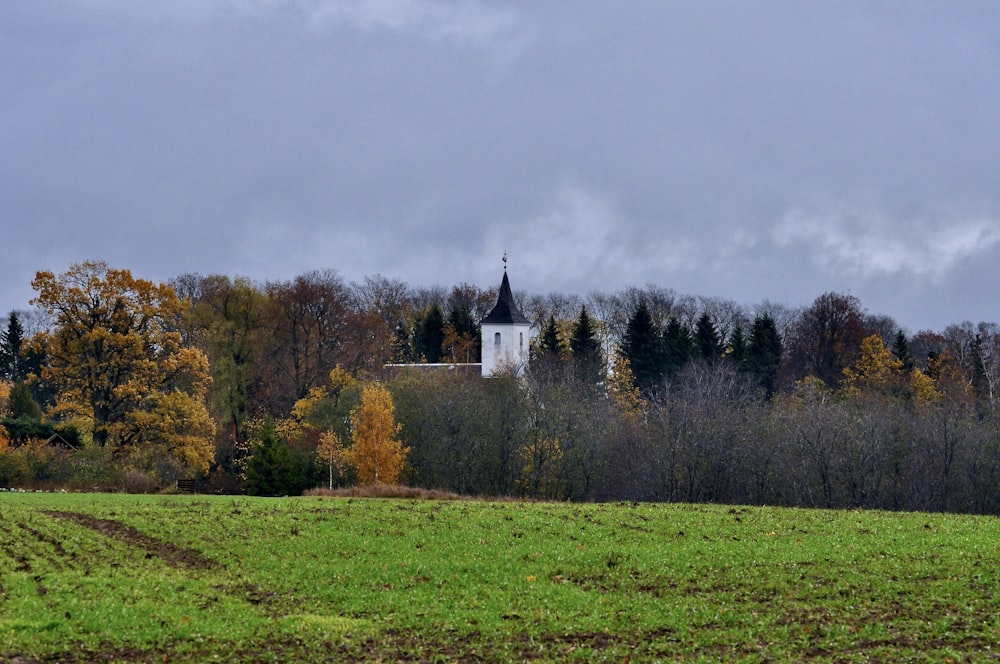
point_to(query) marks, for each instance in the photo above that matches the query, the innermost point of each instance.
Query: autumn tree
(228, 314)
(376, 452)
(826, 338)
(307, 319)
(380, 331)
(945, 429)
(461, 339)
(119, 364)
(813, 424)
(876, 371)
(330, 453)
(541, 460)
(622, 390)
(326, 409)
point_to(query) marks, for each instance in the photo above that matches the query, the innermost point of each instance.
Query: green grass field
(192, 578)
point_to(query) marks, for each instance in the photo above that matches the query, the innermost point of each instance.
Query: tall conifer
(586, 349)
(764, 352)
(642, 346)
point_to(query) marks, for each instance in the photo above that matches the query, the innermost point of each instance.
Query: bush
(94, 469)
(36, 464)
(137, 481)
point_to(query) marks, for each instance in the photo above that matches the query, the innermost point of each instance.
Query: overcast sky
(746, 150)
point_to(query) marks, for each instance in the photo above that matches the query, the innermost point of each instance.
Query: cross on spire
(505, 261)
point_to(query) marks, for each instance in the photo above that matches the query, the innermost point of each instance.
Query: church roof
(505, 312)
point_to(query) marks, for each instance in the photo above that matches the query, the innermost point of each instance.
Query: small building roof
(505, 312)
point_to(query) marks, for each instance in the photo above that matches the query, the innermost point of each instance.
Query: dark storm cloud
(771, 150)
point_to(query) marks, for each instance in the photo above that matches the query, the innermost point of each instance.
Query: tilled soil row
(172, 554)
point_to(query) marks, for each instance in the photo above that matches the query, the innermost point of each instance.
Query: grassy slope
(308, 578)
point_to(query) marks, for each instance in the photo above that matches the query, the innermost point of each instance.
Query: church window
(496, 338)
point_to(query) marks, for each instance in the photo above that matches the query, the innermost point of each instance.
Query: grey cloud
(870, 244)
(755, 151)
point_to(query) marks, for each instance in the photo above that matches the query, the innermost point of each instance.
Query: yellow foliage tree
(120, 364)
(458, 347)
(376, 453)
(330, 451)
(542, 461)
(922, 388)
(876, 370)
(952, 384)
(323, 407)
(621, 387)
(179, 425)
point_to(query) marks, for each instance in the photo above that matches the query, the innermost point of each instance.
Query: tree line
(644, 394)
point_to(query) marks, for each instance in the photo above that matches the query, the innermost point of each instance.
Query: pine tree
(549, 345)
(22, 404)
(678, 346)
(900, 348)
(642, 346)
(25, 420)
(12, 365)
(738, 347)
(462, 335)
(271, 471)
(764, 352)
(586, 349)
(429, 335)
(707, 344)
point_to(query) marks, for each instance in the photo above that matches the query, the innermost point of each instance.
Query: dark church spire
(505, 312)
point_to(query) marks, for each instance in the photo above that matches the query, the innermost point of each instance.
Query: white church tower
(506, 334)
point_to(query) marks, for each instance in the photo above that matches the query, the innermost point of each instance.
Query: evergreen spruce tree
(738, 347)
(900, 348)
(22, 404)
(642, 346)
(466, 329)
(429, 335)
(586, 350)
(707, 344)
(678, 346)
(25, 420)
(271, 470)
(549, 347)
(764, 352)
(12, 364)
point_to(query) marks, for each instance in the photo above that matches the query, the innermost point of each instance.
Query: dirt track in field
(176, 556)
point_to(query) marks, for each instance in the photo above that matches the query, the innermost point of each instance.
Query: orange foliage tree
(121, 366)
(376, 452)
